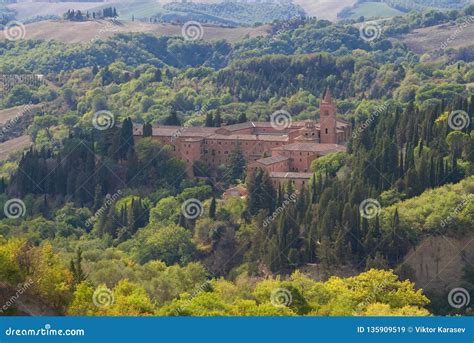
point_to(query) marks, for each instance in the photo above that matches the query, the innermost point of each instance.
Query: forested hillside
(90, 213)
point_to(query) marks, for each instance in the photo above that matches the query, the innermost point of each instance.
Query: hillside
(324, 9)
(233, 13)
(431, 39)
(83, 32)
(13, 112)
(27, 10)
(370, 10)
(14, 145)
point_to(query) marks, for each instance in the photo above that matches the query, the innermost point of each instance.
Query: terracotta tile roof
(327, 96)
(169, 131)
(291, 175)
(271, 160)
(264, 138)
(259, 124)
(312, 147)
(183, 131)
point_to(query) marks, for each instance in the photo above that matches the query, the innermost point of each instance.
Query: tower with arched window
(327, 119)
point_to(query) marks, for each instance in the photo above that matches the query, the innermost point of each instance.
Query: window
(327, 131)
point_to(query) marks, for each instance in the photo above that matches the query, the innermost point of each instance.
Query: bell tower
(327, 119)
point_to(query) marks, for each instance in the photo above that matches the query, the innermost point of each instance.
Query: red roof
(271, 160)
(312, 147)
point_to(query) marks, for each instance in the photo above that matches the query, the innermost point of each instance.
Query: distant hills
(389, 8)
(225, 13)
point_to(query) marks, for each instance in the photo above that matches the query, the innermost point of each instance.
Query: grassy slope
(73, 32)
(374, 10)
(430, 39)
(324, 9)
(14, 145)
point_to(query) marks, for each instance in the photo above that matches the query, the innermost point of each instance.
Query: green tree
(170, 244)
(76, 270)
(235, 169)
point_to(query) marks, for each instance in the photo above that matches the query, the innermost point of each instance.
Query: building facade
(286, 153)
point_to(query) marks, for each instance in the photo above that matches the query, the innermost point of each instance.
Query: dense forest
(91, 214)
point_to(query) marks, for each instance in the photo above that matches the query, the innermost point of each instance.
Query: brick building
(285, 152)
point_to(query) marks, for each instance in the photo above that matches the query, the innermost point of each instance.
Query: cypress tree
(212, 208)
(209, 120)
(147, 130)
